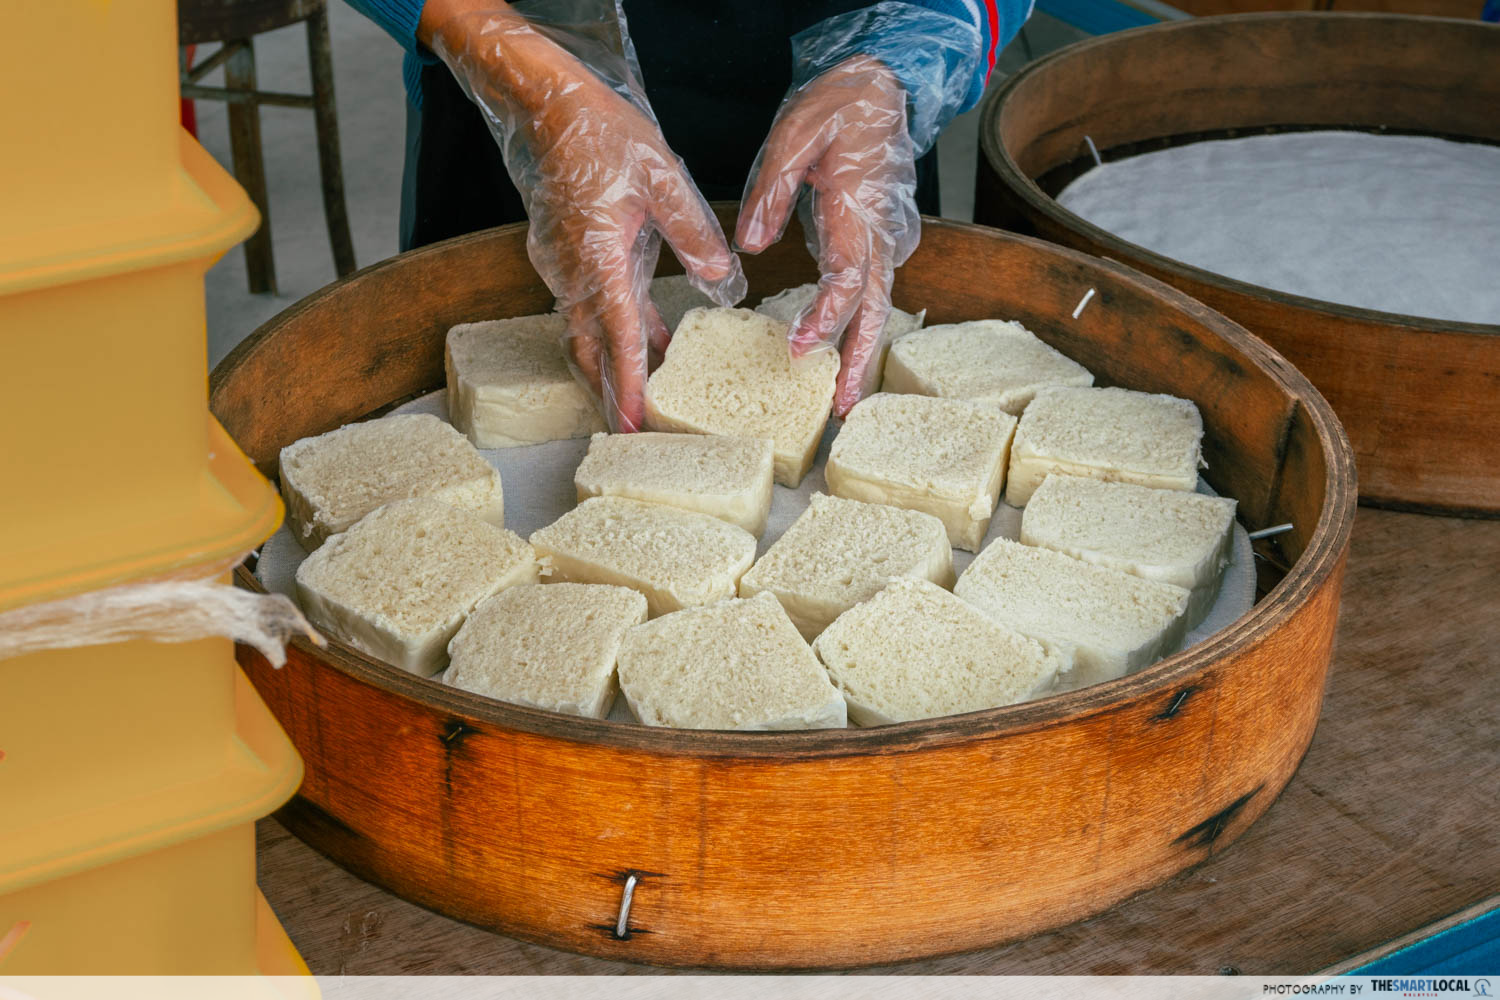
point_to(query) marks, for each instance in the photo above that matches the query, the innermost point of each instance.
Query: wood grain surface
(960, 832)
(1390, 824)
(1419, 398)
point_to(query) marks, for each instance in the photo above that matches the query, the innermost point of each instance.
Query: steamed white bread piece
(400, 582)
(738, 664)
(1116, 435)
(674, 296)
(785, 306)
(914, 651)
(677, 558)
(841, 552)
(730, 371)
(1111, 622)
(551, 647)
(332, 480)
(1168, 535)
(944, 457)
(989, 360)
(724, 477)
(509, 383)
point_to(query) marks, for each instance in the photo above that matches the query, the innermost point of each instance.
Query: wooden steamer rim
(1418, 396)
(821, 848)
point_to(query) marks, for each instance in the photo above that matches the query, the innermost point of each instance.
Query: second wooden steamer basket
(1420, 397)
(823, 848)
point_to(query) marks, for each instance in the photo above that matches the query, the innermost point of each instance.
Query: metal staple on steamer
(623, 922)
(1078, 309)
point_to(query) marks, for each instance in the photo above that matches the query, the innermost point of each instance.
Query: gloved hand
(563, 99)
(870, 92)
(844, 136)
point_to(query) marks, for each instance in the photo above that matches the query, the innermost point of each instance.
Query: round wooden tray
(823, 848)
(1420, 397)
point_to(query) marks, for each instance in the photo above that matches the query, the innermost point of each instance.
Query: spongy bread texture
(841, 552)
(550, 647)
(787, 304)
(1166, 535)
(334, 479)
(724, 477)
(677, 558)
(509, 384)
(730, 371)
(674, 296)
(400, 582)
(1116, 435)
(1112, 622)
(991, 360)
(914, 651)
(944, 457)
(736, 665)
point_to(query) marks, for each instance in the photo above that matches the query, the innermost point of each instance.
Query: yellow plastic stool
(131, 774)
(159, 884)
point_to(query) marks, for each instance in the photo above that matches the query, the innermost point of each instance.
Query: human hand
(844, 135)
(600, 183)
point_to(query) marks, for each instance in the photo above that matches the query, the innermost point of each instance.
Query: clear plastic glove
(560, 86)
(845, 133)
(845, 137)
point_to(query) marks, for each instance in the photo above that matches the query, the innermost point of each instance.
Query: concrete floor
(371, 104)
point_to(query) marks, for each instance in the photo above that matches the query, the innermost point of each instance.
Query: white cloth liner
(538, 483)
(1403, 224)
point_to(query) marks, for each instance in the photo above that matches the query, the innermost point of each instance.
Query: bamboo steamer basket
(821, 848)
(1420, 397)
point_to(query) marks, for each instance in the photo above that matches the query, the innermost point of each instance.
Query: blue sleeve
(399, 19)
(998, 21)
(940, 50)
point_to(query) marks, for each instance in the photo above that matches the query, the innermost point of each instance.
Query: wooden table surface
(1392, 822)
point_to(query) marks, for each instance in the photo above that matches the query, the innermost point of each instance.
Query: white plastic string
(168, 609)
(1094, 150)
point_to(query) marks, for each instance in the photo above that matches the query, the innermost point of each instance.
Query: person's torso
(716, 71)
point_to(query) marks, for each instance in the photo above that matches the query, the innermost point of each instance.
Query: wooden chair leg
(330, 162)
(249, 165)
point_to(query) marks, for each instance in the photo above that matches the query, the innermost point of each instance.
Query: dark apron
(715, 72)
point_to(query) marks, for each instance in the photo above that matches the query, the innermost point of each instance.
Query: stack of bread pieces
(652, 586)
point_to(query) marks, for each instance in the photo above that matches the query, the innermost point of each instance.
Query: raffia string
(168, 609)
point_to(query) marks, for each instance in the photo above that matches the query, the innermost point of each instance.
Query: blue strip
(1097, 17)
(1470, 949)
(411, 76)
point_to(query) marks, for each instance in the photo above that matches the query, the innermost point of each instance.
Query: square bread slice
(841, 552)
(400, 582)
(1112, 622)
(509, 383)
(677, 558)
(1116, 435)
(724, 477)
(944, 457)
(729, 371)
(332, 480)
(550, 647)
(734, 665)
(674, 295)
(914, 651)
(787, 304)
(990, 360)
(1167, 535)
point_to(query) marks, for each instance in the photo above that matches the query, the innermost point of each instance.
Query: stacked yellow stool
(131, 774)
